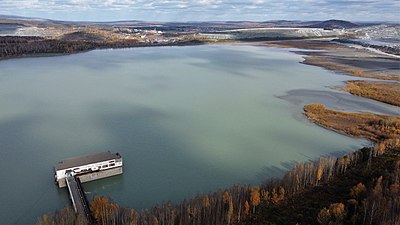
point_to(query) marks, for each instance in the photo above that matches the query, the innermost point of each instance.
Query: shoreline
(387, 92)
(357, 63)
(382, 130)
(339, 57)
(120, 45)
(101, 46)
(385, 89)
(280, 192)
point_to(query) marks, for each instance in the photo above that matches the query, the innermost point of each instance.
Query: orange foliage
(378, 128)
(255, 198)
(246, 208)
(388, 92)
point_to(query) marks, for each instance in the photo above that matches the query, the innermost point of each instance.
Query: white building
(89, 167)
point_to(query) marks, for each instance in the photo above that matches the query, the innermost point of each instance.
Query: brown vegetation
(26, 46)
(355, 63)
(350, 70)
(338, 57)
(358, 188)
(365, 192)
(388, 92)
(15, 46)
(306, 44)
(385, 130)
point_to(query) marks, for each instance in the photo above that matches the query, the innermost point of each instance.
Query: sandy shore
(338, 57)
(373, 120)
(352, 62)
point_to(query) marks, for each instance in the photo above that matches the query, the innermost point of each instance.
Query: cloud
(354, 10)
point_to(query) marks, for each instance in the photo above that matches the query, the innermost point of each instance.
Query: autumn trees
(17, 46)
(378, 205)
(333, 215)
(374, 199)
(12, 46)
(255, 197)
(376, 202)
(66, 216)
(384, 130)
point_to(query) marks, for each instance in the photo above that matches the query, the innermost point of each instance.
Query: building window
(112, 164)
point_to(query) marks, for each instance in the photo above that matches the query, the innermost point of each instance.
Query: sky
(204, 10)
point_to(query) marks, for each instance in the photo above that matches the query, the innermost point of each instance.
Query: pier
(72, 172)
(78, 198)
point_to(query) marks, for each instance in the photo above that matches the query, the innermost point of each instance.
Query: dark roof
(87, 159)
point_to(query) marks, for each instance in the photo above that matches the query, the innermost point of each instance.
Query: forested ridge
(11, 46)
(18, 46)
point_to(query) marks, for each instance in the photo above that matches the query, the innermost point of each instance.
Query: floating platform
(88, 167)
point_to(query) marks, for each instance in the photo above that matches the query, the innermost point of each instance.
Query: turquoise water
(186, 120)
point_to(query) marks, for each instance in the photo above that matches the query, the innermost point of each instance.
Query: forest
(358, 188)
(361, 187)
(24, 46)
(18, 46)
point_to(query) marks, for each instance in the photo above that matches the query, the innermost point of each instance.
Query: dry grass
(388, 92)
(306, 44)
(332, 58)
(349, 70)
(385, 130)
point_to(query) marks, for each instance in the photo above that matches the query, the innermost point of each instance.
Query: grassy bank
(382, 129)
(388, 92)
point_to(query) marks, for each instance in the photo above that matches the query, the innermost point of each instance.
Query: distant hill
(11, 17)
(82, 36)
(334, 24)
(21, 18)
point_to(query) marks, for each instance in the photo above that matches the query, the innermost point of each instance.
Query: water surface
(186, 120)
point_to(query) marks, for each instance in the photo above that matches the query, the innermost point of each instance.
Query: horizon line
(5, 16)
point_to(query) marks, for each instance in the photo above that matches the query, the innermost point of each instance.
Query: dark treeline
(363, 190)
(17, 46)
(370, 196)
(11, 46)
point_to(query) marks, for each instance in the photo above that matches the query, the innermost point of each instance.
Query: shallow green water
(187, 120)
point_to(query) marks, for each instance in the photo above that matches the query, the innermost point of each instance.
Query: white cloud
(206, 9)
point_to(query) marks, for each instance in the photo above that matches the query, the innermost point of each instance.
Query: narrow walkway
(78, 198)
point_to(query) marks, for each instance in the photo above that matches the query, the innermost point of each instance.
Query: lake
(187, 120)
